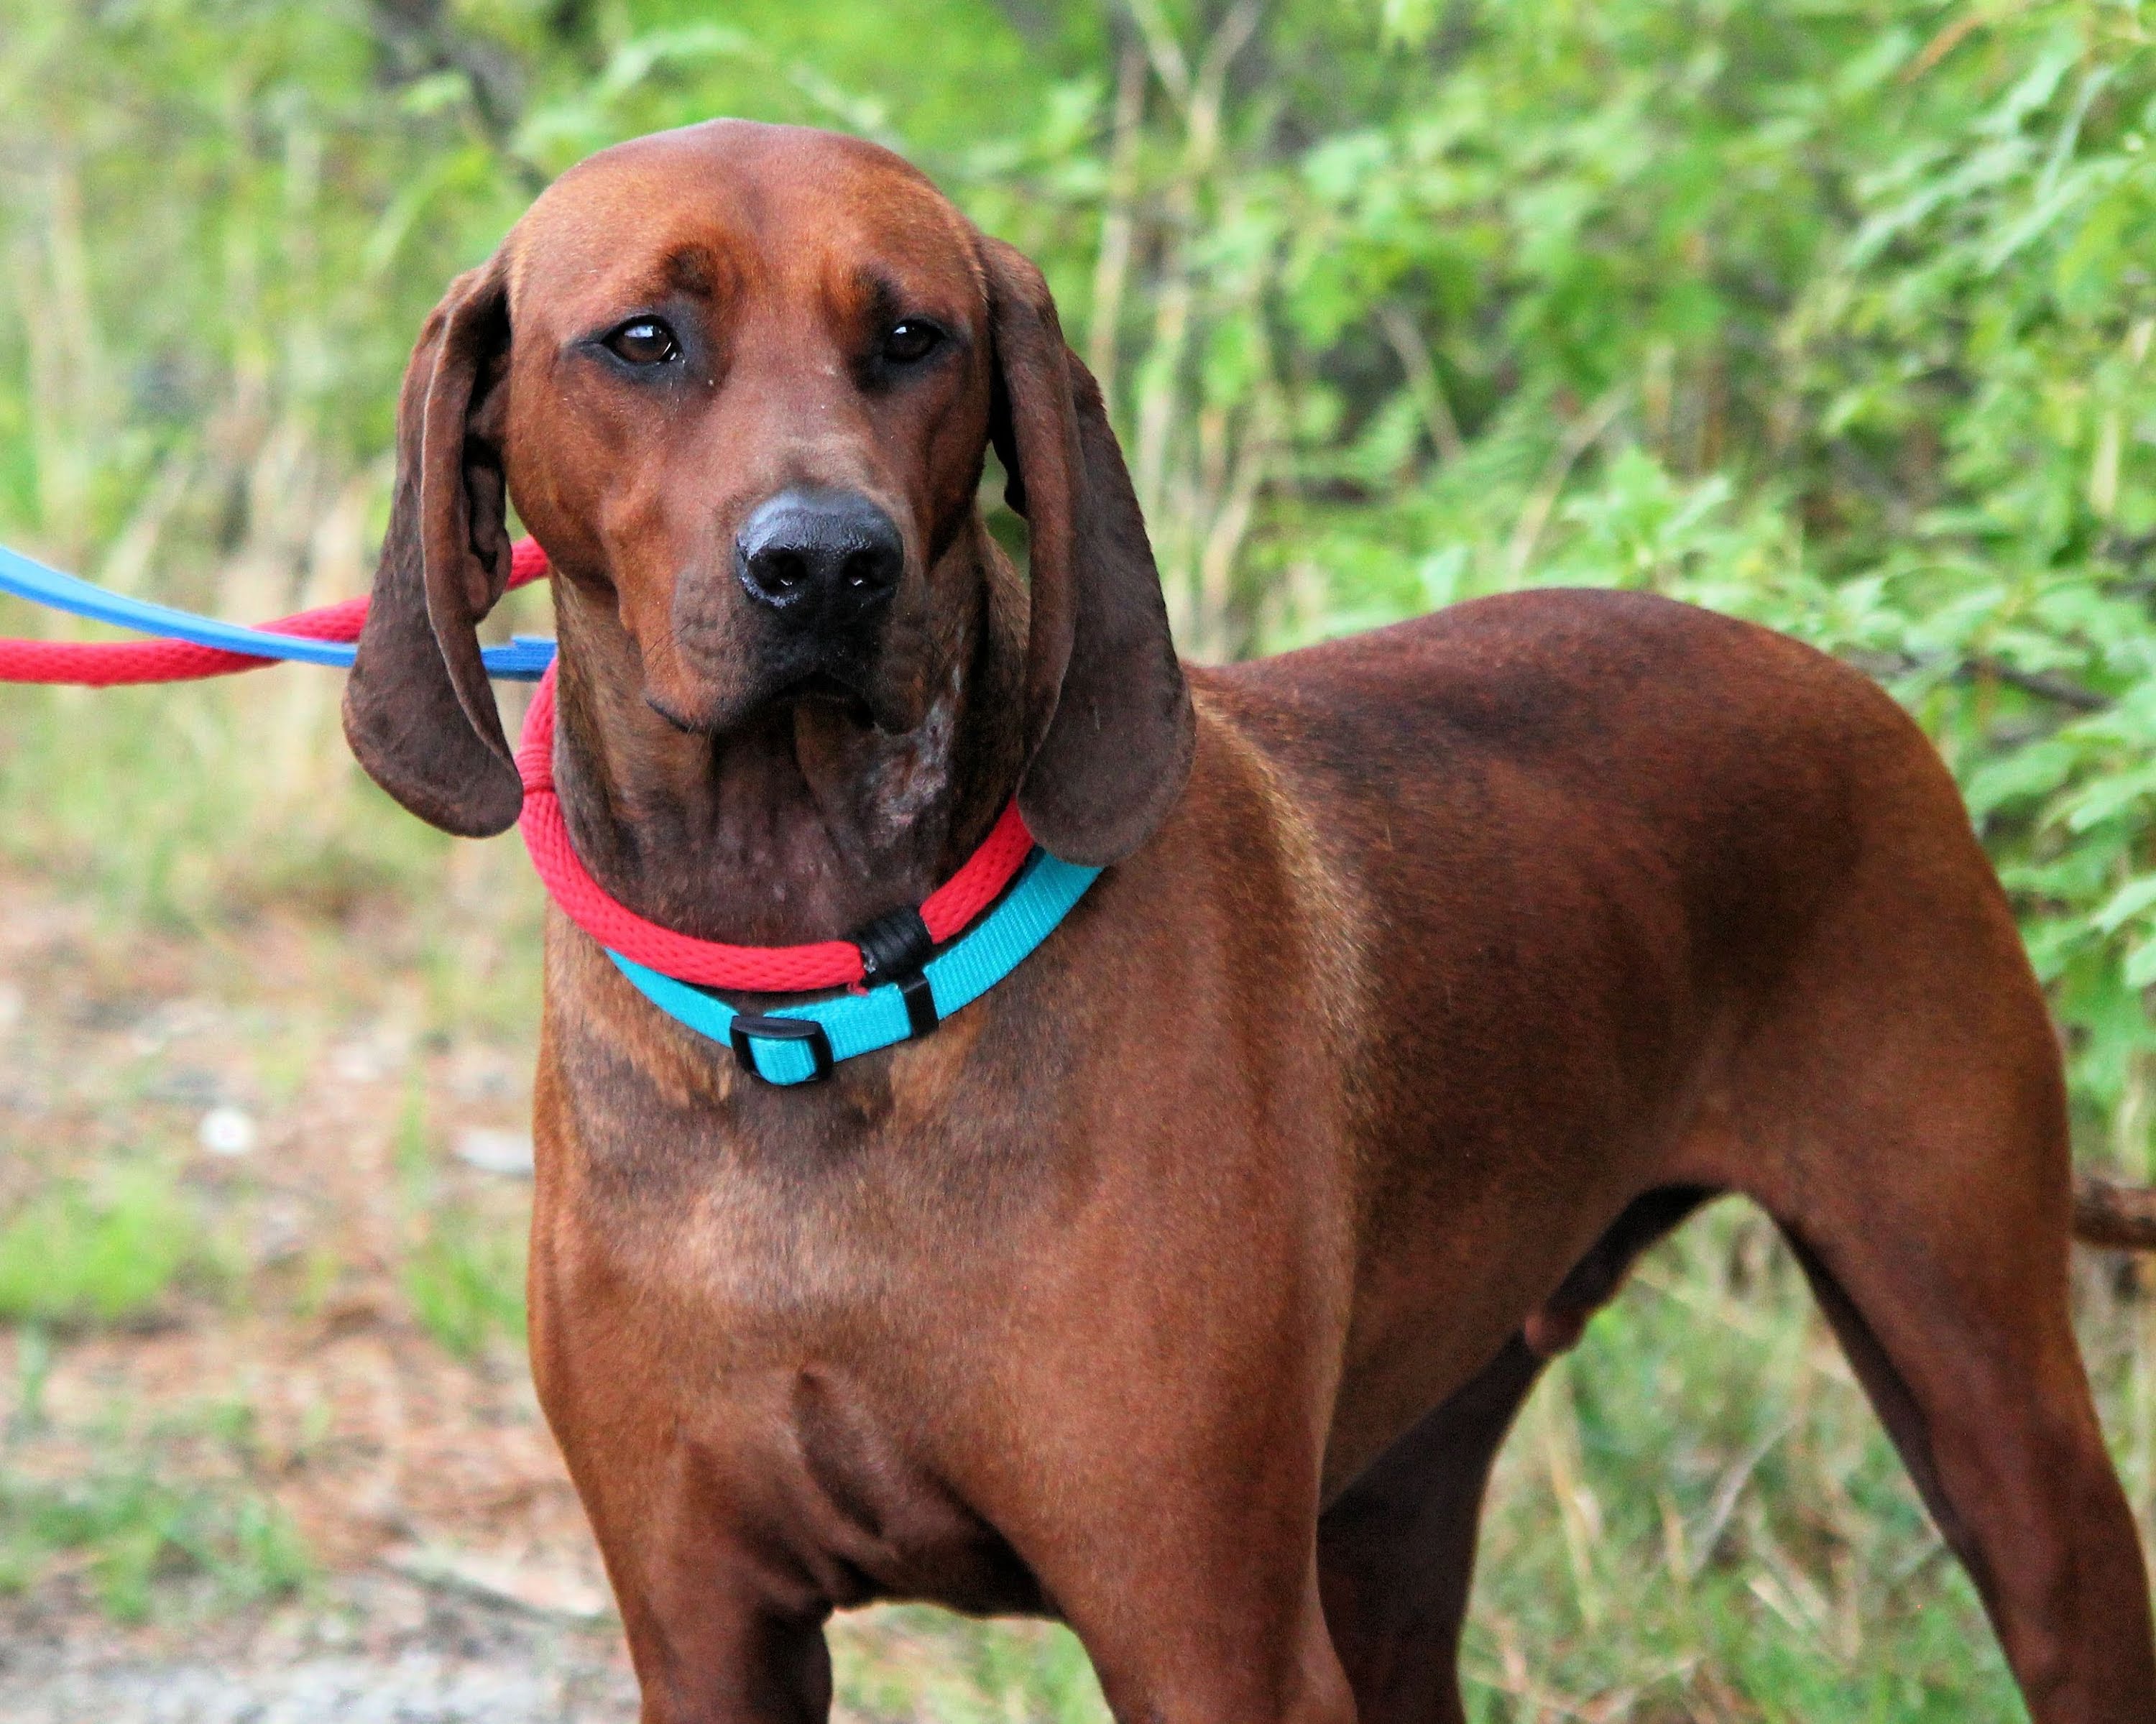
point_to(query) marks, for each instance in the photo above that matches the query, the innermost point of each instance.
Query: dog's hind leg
(1974, 1371)
(1998, 1433)
(1901, 1113)
(1396, 1550)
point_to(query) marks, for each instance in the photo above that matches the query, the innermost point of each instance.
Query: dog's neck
(802, 824)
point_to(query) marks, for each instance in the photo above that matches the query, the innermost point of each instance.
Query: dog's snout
(820, 557)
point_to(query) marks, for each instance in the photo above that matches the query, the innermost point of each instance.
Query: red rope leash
(707, 963)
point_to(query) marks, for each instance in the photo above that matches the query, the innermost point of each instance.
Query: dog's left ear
(1109, 729)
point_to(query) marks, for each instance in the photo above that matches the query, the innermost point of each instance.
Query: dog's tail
(2122, 1218)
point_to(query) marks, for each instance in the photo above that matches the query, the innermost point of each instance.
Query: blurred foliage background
(1834, 313)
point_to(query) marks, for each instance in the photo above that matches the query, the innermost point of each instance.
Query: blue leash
(524, 659)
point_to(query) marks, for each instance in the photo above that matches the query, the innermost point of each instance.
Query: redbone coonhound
(1183, 1287)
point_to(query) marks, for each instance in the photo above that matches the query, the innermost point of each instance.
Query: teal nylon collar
(830, 1030)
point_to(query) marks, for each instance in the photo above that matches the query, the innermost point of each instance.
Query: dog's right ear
(418, 711)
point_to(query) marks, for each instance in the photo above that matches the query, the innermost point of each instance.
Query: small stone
(184, 1084)
(280, 1234)
(493, 1151)
(226, 1132)
(12, 1006)
(357, 1062)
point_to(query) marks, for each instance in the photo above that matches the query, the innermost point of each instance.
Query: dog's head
(739, 382)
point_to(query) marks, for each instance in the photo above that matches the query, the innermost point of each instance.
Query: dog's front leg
(725, 1625)
(716, 1634)
(1216, 1638)
(1196, 1611)
(1161, 1480)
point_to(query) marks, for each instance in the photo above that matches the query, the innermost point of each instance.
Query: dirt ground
(318, 1134)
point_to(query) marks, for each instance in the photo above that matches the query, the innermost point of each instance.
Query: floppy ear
(1109, 730)
(418, 711)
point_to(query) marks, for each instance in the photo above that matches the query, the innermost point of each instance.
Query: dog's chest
(815, 1304)
(831, 1352)
(868, 1501)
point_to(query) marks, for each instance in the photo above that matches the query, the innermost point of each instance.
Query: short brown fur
(1184, 1286)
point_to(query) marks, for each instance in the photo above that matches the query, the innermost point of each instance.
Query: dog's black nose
(819, 557)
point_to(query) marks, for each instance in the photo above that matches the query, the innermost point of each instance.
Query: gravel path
(374, 1650)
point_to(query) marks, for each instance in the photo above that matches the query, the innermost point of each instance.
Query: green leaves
(1838, 317)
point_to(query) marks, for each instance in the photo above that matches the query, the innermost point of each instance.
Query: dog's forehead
(729, 209)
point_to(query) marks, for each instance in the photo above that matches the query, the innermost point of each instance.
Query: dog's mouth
(832, 691)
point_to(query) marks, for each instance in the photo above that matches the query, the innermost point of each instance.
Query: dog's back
(1593, 854)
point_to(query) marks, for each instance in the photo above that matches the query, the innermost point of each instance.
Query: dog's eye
(643, 341)
(910, 340)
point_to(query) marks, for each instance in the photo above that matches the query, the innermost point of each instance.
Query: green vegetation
(1699, 1512)
(74, 1255)
(462, 1275)
(910, 1662)
(128, 1529)
(1834, 313)
(465, 1282)
(131, 1530)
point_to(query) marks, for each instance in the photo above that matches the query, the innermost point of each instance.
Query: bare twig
(1111, 269)
(1234, 35)
(2118, 1217)
(1231, 519)
(1199, 98)
(1709, 1539)
(2043, 685)
(1581, 435)
(1168, 62)
(1423, 384)
(2040, 683)
(1036, 20)
(488, 1580)
(423, 37)
(1956, 31)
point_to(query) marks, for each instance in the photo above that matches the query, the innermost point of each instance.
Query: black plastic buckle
(895, 944)
(746, 1030)
(894, 947)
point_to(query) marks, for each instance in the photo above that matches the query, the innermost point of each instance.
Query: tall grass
(1699, 1517)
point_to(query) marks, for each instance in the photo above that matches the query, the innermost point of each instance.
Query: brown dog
(1184, 1286)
